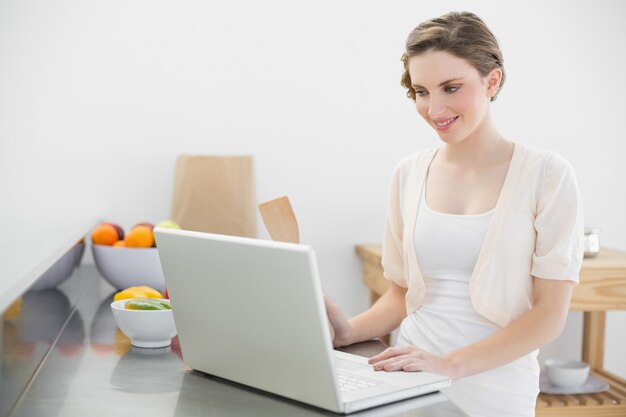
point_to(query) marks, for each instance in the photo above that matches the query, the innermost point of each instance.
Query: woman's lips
(445, 124)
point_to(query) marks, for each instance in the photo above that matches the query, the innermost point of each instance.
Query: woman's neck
(483, 147)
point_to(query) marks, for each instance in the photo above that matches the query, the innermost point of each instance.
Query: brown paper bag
(215, 194)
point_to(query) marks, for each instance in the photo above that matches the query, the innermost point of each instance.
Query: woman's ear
(494, 78)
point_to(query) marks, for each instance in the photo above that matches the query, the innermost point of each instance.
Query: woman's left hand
(412, 358)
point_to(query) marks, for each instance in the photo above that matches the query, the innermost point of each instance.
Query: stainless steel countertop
(64, 356)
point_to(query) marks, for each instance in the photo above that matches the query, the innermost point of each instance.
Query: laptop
(252, 311)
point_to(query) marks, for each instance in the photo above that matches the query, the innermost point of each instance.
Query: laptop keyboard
(349, 382)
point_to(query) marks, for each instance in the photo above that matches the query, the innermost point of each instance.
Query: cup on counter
(592, 242)
(566, 373)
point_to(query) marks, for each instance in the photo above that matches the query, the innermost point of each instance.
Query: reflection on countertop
(91, 369)
(29, 328)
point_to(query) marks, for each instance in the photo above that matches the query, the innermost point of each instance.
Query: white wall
(97, 98)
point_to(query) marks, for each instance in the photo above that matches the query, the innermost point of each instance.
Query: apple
(118, 229)
(168, 224)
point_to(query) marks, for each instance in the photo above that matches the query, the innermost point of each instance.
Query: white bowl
(129, 267)
(58, 272)
(566, 373)
(145, 328)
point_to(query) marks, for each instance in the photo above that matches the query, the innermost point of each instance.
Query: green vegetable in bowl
(147, 304)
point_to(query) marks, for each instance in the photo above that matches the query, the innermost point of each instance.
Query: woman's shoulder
(546, 159)
(412, 161)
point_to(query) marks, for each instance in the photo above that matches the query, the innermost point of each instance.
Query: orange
(120, 243)
(140, 237)
(104, 234)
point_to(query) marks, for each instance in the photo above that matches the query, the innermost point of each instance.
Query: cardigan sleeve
(559, 223)
(392, 257)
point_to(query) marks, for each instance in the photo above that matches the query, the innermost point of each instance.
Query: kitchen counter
(63, 355)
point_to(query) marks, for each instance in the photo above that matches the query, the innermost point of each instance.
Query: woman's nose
(437, 107)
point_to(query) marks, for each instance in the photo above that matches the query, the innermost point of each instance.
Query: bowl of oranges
(131, 258)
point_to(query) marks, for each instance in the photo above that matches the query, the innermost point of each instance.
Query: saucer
(592, 385)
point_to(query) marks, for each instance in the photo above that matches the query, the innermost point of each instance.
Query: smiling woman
(484, 235)
(462, 93)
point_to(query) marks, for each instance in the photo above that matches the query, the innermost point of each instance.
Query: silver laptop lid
(250, 311)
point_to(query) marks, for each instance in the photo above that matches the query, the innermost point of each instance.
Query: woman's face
(450, 94)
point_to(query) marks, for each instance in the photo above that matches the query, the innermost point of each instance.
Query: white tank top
(447, 247)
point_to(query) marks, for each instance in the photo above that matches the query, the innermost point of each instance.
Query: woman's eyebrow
(443, 83)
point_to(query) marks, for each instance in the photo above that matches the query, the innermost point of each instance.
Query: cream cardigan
(536, 230)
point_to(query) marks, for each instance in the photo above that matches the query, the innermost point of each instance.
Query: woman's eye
(451, 89)
(420, 93)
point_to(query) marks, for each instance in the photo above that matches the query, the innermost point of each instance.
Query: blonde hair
(463, 34)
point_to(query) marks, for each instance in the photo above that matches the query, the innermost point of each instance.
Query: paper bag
(215, 194)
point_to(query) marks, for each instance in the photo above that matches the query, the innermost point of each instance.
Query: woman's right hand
(340, 327)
